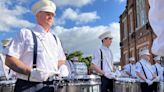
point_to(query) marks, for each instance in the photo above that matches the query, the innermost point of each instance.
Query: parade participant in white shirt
(130, 68)
(102, 62)
(158, 69)
(71, 66)
(6, 72)
(145, 72)
(35, 53)
(156, 19)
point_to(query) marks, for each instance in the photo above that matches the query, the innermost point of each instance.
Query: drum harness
(102, 61)
(144, 70)
(156, 69)
(35, 53)
(130, 70)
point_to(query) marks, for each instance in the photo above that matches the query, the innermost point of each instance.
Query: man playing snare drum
(102, 62)
(145, 72)
(35, 53)
(130, 68)
(158, 69)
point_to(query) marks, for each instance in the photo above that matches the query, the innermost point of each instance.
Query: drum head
(7, 82)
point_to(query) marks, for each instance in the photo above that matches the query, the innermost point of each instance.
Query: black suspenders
(143, 70)
(36, 46)
(35, 49)
(156, 69)
(101, 59)
(55, 39)
(130, 70)
(34, 52)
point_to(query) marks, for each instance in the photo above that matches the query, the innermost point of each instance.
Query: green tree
(79, 54)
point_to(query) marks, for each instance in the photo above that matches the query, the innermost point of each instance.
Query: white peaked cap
(144, 52)
(44, 5)
(132, 59)
(105, 35)
(157, 58)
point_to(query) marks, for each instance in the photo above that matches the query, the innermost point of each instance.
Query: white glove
(156, 79)
(110, 75)
(117, 73)
(149, 82)
(39, 75)
(63, 71)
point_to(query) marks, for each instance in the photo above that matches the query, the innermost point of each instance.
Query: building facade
(135, 31)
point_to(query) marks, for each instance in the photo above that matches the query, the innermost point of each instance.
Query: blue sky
(78, 23)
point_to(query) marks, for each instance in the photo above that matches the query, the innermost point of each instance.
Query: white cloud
(105, 0)
(11, 18)
(83, 38)
(86, 38)
(77, 17)
(76, 3)
(121, 1)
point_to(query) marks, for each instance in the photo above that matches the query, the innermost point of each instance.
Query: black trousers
(106, 84)
(151, 88)
(27, 86)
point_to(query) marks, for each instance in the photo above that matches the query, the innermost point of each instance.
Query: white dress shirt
(158, 68)
(70, 66)
(147, 68)
(130, 68)
(48, 52)
(107, 59)
(2, 65)
(156, 18)
(5, 71)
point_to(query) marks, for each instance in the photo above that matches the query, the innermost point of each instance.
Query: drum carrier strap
(143, 70)
(35, 50)
(156, 69)
(101, 54)
(130, 70)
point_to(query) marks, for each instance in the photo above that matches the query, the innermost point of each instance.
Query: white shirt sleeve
(154, 68)
(96, 57)
(156, 18)
(138, 67)
(127, 68)
(61, 55)
(16, 46)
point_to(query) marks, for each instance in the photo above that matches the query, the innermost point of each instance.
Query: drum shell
(59, 86)
(160, 86)
(84, 86)
(7, 86)
(120, 86)
(79, 86)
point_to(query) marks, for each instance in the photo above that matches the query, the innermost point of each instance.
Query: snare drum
(59, 85)
(80, 84)
(124, 86)
(7, 86)
(83, 86)
(160, 86)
